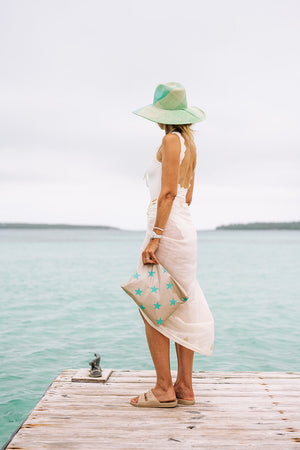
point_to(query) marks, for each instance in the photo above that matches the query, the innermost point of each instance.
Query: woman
(171, 239)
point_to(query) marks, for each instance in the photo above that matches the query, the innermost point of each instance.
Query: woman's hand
(148, 255)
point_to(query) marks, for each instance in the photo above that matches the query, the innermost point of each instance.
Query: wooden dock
(233, 410)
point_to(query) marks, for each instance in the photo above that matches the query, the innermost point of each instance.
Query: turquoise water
(61, 301)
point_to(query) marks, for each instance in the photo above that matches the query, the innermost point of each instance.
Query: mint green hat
(170, 106)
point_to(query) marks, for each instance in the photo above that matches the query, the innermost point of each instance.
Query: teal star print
(159, 321)
(185, 299)
(151, 273)
(154, 289)
(157, 305)
(138, 291)
(136, 275)
(169, 285)
(173, 301)
(142, 307)
(165, 270)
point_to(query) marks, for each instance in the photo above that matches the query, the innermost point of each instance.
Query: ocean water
(61, 302)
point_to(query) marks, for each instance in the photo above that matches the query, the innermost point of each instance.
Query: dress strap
(183, 147)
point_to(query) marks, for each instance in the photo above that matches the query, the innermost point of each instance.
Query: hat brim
(188, 115)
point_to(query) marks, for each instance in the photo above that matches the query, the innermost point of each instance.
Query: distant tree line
(53, 225)
(261, 226)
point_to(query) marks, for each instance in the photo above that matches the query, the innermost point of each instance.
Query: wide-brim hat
(170, 106)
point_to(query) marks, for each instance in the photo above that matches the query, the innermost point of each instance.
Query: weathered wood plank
(66, 374)
(236, 410)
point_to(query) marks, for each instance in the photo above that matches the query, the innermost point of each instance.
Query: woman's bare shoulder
(170, 142)
(170, 137)
(171, 147)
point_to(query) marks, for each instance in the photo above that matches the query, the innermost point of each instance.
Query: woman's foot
(162, 395)
(183, 392)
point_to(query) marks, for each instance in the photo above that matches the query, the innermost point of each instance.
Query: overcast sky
(73, 71)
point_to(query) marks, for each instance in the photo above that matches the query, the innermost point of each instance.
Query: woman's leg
(183, 385)
(159, 346)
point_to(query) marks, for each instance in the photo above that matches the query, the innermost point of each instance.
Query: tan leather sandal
(152, 402)
(181, 401)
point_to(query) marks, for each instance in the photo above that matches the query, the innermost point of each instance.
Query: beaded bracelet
(158, 228)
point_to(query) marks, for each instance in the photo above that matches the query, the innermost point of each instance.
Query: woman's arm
(168, 192)
(169, 179)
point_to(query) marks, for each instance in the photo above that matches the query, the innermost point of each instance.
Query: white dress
(192, 324)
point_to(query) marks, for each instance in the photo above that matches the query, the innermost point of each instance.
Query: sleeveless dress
(192, 324)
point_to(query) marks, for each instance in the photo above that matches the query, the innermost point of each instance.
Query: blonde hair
(184, 129)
